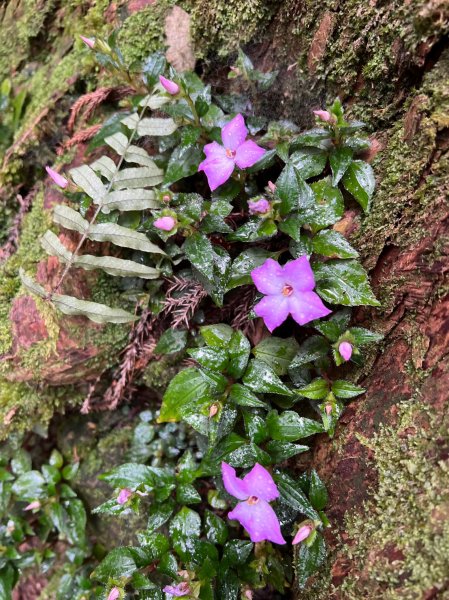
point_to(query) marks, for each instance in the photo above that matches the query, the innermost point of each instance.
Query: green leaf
(255, 427)
(289, 426)
(280, 451)
(259, 377)
(29, 486)
(247, 456)
(241, 395)
(293, 191)
(69, 472)
(215, 528)
(217, 336)
(21, 462)
(308, 559)
(183, 162)
(317, 492)
(263, 163)
(254, 230)
(316, 137)
(186, 388)
(99, 313)
(310, 162)
(159, 515)
(185, 524)
(118, 564)
(363, 336)
(246, 262)
(168, 565)
(132, 475)
(186, 493)
(311, 349)
(236, 552)
(277, 353)
(344, 282)
(152, 67)
(292, 495)
(316, 390)
(333, 327)
(360, 182)
(172, 340)
(211, 358)
(345, 389)
(75, 523)
(239, 350)
(340, 159)
(8, 578)
(331, 243)
(328, 207)
(200, 253)
(135, 199)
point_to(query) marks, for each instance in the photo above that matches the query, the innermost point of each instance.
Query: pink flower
(124, 496)
(182, 589)
(114, 594)
(33, 505)
(345, 349)
(88, 41)
(258, 207)
(165, 223)
(170, 86)
(221, 160)
(328, 409)
(271, 187)
(254, 513)
(288, 290)
(324, 115)
(302, 534)
(57, 178)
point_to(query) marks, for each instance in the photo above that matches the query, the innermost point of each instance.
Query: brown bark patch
(180, 48)
(318, 46)
(27, 323)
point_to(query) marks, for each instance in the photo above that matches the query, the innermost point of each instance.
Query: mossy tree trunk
(387, 467)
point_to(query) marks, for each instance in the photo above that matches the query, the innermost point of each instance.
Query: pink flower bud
(328, 409)
(57, 178)
(88, 41)
(165, 223)
(324, 115)
(114, 594)
(258, 207)
(124, 495)
(271, 187)
(33, 505)
(170, 86)
(302, 534)
(345, 349)
(213, 410)
(166, 198)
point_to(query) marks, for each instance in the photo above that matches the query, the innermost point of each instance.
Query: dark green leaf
(217, 336)
(29, 486)
(259, 377)
(200, 253)
(331, 243)
(289, 426)
(186, 523)
(187, 387)
(186, 493)
(280, 451)
(317, 138)
(118, 564)
(183, 162)
(344, 282)
(168, 565)
(317, 492)
(308, 559)
(211, 358)
(316, 390)
(172, 340)
(241, 395)
(311, 349)
(239, 350)
(359, 181)
(293, 191)
(246, 262)
(340, 159)
(152, 67)
(292, 495)
(255, 427)
(327, 209)
(266, 161)
(310, 162)
(215, 528)
(363, 336)
(236, 552)
(277, 353)
(159, 514)
(247, 456)
(345, 389)
(333, 327)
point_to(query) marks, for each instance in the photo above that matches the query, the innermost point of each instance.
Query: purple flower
(302, 534)
(169, 86)
(258, 207)
(114, 594)
(182, 589)
(254, 513)
(288, 290)
(88, 41)
(124, 496)
(57, 178)
(165, 223)
(345, 349)
(221, 160)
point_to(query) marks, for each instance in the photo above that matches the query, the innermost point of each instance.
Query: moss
(158, 374)
(403, 532)
(222, 26)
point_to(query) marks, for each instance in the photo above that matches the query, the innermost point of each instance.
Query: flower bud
(345, 349)
(323, 115)
(33, 505)
(57, 178)
(166, 198)
(302, 534)
(114, 594)
(258, 207)
(88, 41)
(328, 409)
(124, 495)
(213, 410)
(165, 223)
(169, 86)
(271, 187)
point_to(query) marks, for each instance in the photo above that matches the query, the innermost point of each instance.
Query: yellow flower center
(253, 500)
(287, 290)
(230, 153)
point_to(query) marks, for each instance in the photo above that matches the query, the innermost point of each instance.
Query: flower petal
(217, 166)
(234, 133)
(260, 483)
(259, 520)
(298, 273)
(269, 277)
(247, 154)
(306, 306)
(273, 310)
(233, 484)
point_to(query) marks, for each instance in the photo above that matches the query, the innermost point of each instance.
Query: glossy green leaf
(363, 336)
(344, 282)
(185, 524)
(200, 253)
(308, 559)
(313, 348)
(172, 340)
(239, 350)
(340, 158)
(335, 325)
(215, 528)
(119, 563)
(159, 515)
(29, 486)
(292, 495)
(218, 336)
(277, 353)
(310, 162)
(360, 182)
(316, 137)
(183, 162)
(333, 244)
(293, 191)
(255, 427)
(236, 552)
(317, 492)
(315, 390)
(246, 262)
(186, 493)
(211, 358)
(289, 426)
(186, 388)
(345, 389)
(241, 395)
(280, 451)
(259, 377)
